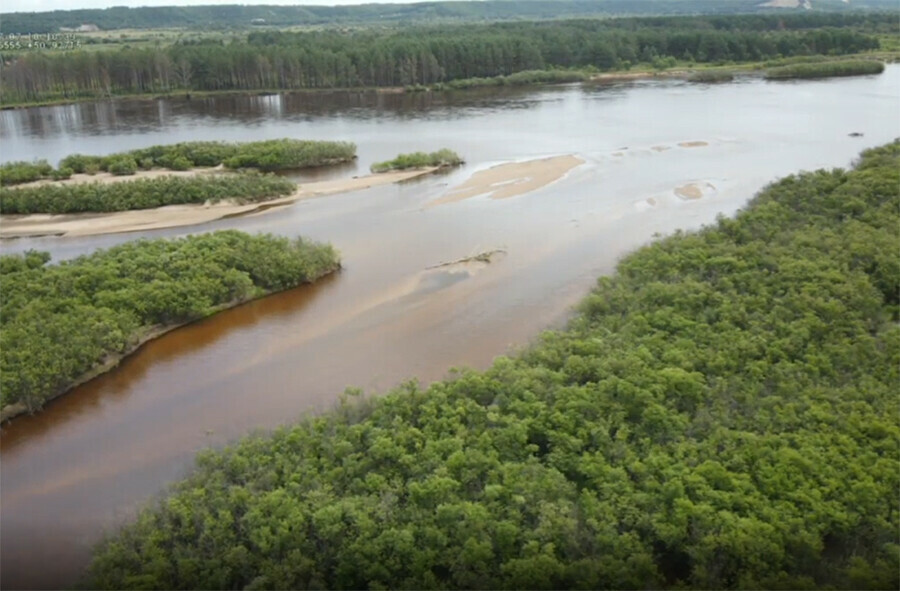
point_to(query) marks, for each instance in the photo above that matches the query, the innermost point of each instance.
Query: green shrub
(146, 163)
(81, 163)
(61, 174)
(14, 173)
(122, 166)
(711, 76)
(441, 158)
(180, 163)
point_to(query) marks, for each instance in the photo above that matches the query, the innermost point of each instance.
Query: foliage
(122, 166)
(267, 155)
(826, 69)
(441, 158)
(219, 17)
(722, 414)
(14, 173)
(60, 321)
(436, 54)
(143, 193)
(287, 154)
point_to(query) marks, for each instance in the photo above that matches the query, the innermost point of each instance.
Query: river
(94, 456)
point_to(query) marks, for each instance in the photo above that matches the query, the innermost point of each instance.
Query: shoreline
(151, 333)
(172, 216)
(888, 56)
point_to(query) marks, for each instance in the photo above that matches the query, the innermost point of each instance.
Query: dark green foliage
(122, 166)
(440, 158)
(60, 321)
(143, 193)
(429, 55)
(525, 78)
(267, 155)
(826, 69)
(14, 173)
(290, 154)
(722, 414)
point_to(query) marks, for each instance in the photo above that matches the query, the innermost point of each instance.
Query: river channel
(93, 457)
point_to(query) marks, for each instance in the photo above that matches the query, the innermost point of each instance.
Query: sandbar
(106, 177)
(695, 190)
(696, 144)
(512, 179)
(170, 216)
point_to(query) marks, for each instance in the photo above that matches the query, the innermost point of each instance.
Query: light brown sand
(695, 190)
(512, 179)
(661, 148)
(693, 144)
(170, 216)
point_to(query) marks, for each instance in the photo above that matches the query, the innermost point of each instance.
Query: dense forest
(61, 321)
(242, 16)
(721, 414)
(426, 55)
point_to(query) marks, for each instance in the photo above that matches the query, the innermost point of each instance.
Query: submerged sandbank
(170, 216)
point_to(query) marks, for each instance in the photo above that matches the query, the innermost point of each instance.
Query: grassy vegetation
(711, 76)
(267, 155)
(143, 193)
(826, 69)
(722, 414)
(61, 321)
(440, 158)
(14, 173)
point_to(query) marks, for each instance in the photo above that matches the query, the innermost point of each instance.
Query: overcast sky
(42, 5)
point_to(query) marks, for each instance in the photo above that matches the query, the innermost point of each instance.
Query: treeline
(61, 321)
(422, 55)
(243, 16)
(826, 69)
(721, 415)
(143, 193)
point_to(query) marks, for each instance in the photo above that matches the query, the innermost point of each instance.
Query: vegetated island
(441, 159)
(721, 414)
(66, 323)
(826, 69)
(265, 156)
(176, 185)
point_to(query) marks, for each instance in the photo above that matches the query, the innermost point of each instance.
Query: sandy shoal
(170, 216)
(694, 144)
(695, 190)
(511, 179)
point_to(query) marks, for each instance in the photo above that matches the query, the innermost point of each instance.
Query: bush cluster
(14, 173)
(143, 193)
(268, 155)
(440, 158)
(60, 321)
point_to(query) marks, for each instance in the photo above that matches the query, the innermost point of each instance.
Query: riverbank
(171, 216)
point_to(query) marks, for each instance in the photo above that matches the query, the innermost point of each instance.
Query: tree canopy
(721, 414)
(61, 321)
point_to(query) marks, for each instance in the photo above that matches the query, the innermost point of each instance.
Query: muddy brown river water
(94, 456)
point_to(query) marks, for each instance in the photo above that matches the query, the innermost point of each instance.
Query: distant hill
(239, 17)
